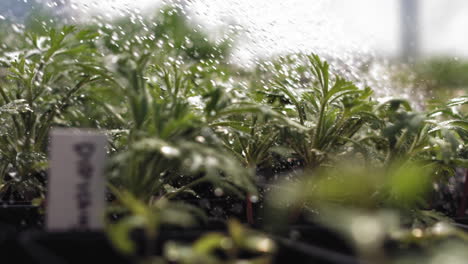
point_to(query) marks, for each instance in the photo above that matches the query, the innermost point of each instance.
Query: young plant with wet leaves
(332, 109)
(170, 149)
(41, 85)
(247, 128)
(435, 137)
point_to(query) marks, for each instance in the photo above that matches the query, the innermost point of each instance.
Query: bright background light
(339, 27)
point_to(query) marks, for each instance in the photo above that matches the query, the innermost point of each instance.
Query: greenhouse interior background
(275, 26)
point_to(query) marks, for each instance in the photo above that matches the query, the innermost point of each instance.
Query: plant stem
(185, 187)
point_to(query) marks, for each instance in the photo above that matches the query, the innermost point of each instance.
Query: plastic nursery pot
(67, 247)
(88, 247)
(312, 244)
(146, 246)
(21, 215)
(15, 217)
(464, 198)
(188, 237)
(291, 251)
(462, 223)
(82, 247)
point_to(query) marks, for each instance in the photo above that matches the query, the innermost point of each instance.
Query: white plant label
(76, 188)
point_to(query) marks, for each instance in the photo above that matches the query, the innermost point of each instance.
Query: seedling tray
(82, 247)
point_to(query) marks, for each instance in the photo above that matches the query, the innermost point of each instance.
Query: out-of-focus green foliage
(150, 218)
(354, 184)
(372, 208)
(444, 77)
(147, 218)
(168, 33)
(238, 240)
(40, 86)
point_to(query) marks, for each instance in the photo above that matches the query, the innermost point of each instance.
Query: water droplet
(219, 192)
(253, 198)
(170, 151)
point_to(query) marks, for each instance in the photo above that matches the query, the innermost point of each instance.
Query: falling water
(340, 31)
